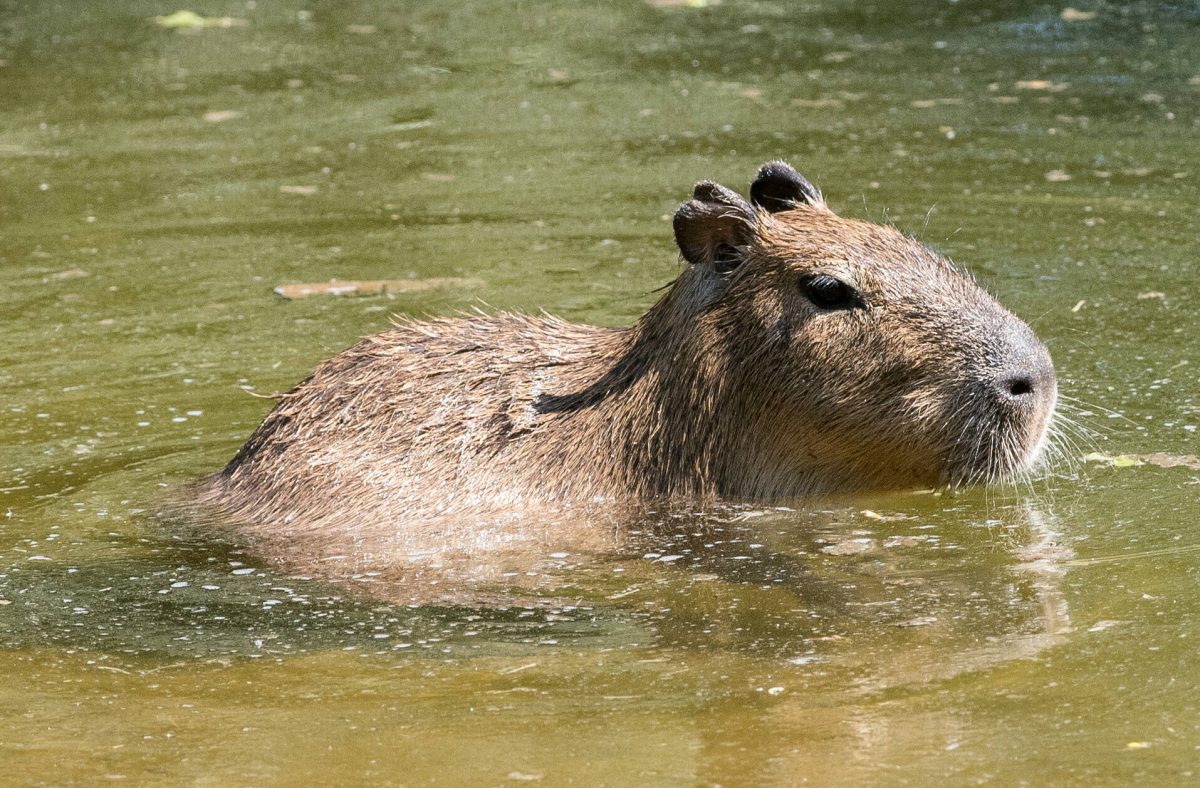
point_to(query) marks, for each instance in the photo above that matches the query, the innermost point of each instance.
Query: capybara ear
(780, 188)
(711, 226)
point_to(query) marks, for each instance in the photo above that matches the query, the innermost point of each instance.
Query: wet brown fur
(732, 386)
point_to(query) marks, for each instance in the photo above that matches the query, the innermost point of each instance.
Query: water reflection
(923, 590)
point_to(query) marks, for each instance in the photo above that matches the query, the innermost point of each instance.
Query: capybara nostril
(1018, 386)
(1031, 378)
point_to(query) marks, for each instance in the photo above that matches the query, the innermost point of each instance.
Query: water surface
(156, 184)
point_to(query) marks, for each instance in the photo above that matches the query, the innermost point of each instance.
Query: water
(155, 185)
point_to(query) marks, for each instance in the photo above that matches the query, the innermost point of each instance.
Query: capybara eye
(829, 293)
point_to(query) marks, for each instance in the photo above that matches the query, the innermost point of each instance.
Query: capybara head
(875, 358)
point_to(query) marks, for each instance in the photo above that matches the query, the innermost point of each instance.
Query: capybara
(798, 353)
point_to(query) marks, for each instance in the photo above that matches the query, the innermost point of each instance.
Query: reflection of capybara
(797, 353)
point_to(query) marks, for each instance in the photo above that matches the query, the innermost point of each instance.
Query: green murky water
(155, 185)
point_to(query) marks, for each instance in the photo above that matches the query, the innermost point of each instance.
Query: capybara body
(798, 353)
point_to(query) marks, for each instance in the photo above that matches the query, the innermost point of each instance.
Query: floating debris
(907, 541)
(1158, 459)
(370, 287)
(221, 115)
(1103, 624)
(818, 103)
(1115, 460)
(1164, 460)
(682, 3)
(190, 20)
(409, 125)
(919, 621)
(70, 273)
(934, 102)
(871, 514)
(559, 76)
(849, 547)
(1041, 84)
(1075, 15)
